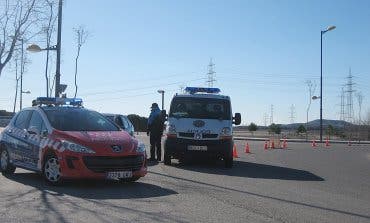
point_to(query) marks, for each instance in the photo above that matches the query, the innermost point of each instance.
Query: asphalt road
(298, 184)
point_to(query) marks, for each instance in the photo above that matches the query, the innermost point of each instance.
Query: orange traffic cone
(285, 144)
(247, 150)
(313, 143)
(266, 146)
(272, 144)
(327, 142)
(235, 152)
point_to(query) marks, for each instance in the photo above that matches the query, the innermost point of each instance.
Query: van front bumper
(179, 147)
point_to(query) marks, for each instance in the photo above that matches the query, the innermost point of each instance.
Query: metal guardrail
(301, 140)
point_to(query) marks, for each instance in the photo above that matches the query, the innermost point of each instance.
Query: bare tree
(311, 90)
(16, 18)
(81, 36)
(49, 30)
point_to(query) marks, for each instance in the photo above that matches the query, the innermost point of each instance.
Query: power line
(134, 89)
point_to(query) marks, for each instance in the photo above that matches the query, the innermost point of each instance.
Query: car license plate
(119, 175)
(197, 148)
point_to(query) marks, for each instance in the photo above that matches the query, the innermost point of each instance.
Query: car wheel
(52, 171)
(129, 180)
(6, 167)
(167, 159)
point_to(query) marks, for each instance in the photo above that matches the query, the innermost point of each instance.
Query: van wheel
(229, 160)
(6, 167)
(167, 159)
(52, 171)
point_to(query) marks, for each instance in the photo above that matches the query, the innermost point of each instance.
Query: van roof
(216, 96)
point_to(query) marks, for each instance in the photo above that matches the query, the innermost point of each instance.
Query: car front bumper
(97, 167)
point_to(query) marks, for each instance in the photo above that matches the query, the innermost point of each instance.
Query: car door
(36, 131)
(18, 137)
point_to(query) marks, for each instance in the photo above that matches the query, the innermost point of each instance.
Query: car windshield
(78, 119)
(204, 108)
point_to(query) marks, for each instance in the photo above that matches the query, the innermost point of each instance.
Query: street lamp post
(162, 92)
(57, 47)
(22, 71)
(322, 33)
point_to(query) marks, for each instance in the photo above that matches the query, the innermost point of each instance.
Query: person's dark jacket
(155, 122)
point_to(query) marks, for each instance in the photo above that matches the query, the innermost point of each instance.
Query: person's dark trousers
(155, 146)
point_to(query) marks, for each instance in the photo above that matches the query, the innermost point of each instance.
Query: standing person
(155, 130)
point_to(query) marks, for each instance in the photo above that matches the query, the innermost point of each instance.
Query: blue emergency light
(193, 90)
(58, 101)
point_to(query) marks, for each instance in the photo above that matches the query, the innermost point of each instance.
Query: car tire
(6, 167)
(167, 159)
(51, 170)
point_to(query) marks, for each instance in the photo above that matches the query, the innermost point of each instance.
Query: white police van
(200, 124)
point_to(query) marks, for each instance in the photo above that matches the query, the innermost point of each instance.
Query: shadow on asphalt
(248, 169)
(93, 189)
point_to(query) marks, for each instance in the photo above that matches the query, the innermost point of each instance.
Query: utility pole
(211, 74)
(162, 92)
(292, 114)
(350, 91)
(321, 96)
(22, 71)
(265, 118)
(16, 84)
(58, 48)
(272, 114)
(359, 100)
(342, 105)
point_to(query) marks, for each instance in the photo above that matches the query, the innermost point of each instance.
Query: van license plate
(197, 148)
(119, 175)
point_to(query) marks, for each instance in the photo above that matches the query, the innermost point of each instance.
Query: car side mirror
(44, 133)
(33, 130)
(237, 119)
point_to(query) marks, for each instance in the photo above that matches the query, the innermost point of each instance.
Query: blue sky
(263, 51)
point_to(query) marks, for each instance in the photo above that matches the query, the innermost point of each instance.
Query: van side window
(22, 119)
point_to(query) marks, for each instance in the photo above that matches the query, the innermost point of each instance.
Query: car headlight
(226, 131)
(140, 148)
(171, 129)
(75, 147)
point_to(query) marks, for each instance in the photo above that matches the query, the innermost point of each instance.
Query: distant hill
(315, 124)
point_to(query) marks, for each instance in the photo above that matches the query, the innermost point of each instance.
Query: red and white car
(63, 140)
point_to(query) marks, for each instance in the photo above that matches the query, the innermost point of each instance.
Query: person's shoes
(159, 159)
(151, 159)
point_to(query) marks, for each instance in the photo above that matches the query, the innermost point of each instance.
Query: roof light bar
(58, 101)
(193, 90)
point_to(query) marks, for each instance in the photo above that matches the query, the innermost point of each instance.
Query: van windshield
(202, 108)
